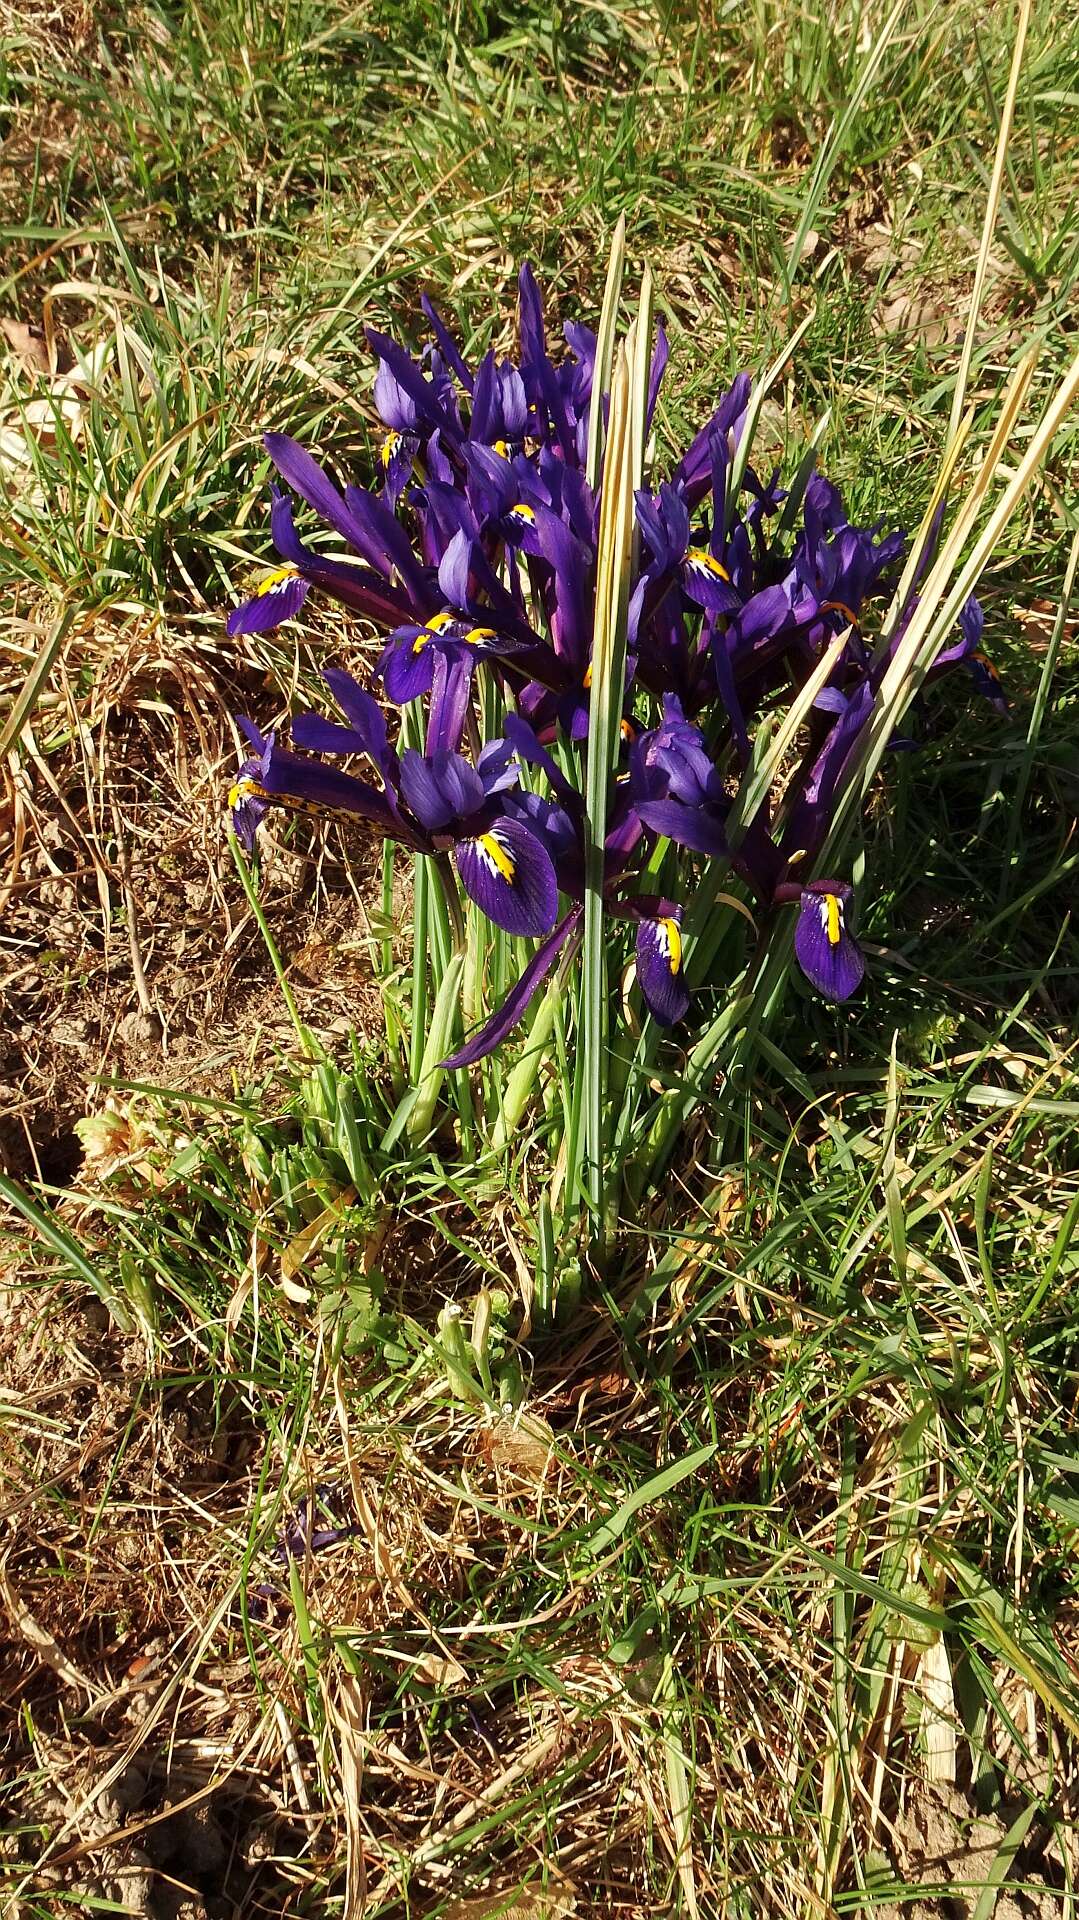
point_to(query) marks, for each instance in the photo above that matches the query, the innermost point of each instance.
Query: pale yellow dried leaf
(345, 1704)
(938, 1722)
(305, 1243)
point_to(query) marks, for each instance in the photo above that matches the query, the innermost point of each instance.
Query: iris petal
(278, 598)
(829, 957)
(510, 876)
(698, 828)
(515, 1005)
(659, 968)
(406, 673)
(439, 788)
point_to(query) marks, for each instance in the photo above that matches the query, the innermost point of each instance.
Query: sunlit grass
(868, 1353)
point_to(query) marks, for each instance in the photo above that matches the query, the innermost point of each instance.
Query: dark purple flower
(694, 472)
(278, 597)
(302, 1535)
(407, 665)
(509, 874)
(659, 964)
(282, 593)
(246, 802)
(967, 652)
(504, 866)
(828, 955)
(677, 790)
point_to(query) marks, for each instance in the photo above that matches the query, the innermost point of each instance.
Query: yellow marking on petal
(477, 635)
(587, 681)
(672, 939)
(839, 606)
(271, 582)
(700, 557)
(522, 511)
(496, 854)
(628, 730)
(502, 447)
(247, 789)
(833, 919)
(435, 625)
(390, 446)
(984, 661)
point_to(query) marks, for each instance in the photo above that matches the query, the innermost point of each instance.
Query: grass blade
(992, 207)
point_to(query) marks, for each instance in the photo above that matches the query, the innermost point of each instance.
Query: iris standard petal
(363, 713)
(317, 735)
(829, 957)
(301, 471)
(450, 351)
(659, 967)
(431, 404)
(396, 408)
(451, 682)
(454, 569)
(510, 876)
(530, 327)
(440, 788)
(258, 742)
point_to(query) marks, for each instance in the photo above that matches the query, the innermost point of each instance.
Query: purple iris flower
(967, 652)
(246, 805)
(392, 585)
(302, 1534)
(836, 566)
(407, 665)
(826, 951)
(677, 789)
(411, 399)
(660, 973)
(432, 802)
(694, 471)
(401, 441)
(281, 593)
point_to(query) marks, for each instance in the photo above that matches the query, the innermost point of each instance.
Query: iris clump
(728, 641)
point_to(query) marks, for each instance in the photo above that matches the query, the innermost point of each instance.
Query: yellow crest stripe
(503, 862)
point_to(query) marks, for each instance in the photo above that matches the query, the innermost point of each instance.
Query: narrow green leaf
(643, 1496)
(1005, 1860)
(56, 1237)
